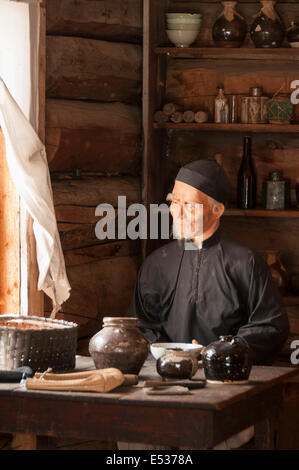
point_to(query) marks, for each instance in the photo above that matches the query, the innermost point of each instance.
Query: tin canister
(254, 107)
(276, 192)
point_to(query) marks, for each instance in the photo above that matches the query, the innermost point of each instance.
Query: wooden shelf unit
(213, 127)
(242, 53)
(289, 213)
(157, 54)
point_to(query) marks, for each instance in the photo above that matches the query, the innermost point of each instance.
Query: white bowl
(181, 38)
(158, 349)
(183, 20)
(184, 27)
(183, 15)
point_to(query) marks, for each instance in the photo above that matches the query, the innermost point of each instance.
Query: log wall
(93, 140)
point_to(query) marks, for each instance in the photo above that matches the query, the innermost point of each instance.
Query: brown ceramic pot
(119, 344)
(230, 28)
(278, 271)
(227, 361)
(177, 364)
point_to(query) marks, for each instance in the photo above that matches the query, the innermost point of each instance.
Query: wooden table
(197, 421)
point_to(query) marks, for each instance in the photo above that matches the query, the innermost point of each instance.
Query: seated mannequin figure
(220, 288)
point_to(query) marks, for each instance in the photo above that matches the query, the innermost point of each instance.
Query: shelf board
(211, 126)
(289, 213)
(242, 53)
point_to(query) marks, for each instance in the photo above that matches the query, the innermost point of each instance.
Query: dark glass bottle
(246, 192)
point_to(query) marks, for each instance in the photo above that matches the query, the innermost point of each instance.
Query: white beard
(185, 232)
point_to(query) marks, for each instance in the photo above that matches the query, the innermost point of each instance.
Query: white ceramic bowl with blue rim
(158, 349)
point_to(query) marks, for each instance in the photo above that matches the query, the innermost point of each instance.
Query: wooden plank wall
(93, 124)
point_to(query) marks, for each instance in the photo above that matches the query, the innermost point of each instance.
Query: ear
(218, 210)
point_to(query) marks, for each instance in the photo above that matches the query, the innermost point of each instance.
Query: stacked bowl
(182, 28)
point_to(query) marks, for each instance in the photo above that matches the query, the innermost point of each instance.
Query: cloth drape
(28, 166)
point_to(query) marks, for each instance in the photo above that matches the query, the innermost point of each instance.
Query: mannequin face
(183, 204)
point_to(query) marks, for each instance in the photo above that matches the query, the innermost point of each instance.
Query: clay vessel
(177, 364)
(230, 28)
(293, 33)
(278, 271)
(227, 361)
(119, 344)
(267, 29)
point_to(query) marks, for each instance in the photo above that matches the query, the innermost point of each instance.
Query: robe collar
(209, 242)
(213, 239)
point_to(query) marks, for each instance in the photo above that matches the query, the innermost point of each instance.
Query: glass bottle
(246, 189)
(221, 107)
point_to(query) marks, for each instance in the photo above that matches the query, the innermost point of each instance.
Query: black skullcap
(208, 177)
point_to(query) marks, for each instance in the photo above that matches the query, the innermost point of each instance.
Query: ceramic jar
(230, 27)
(267, 29)
(177, 364)
(293, 33)
(119, 344)
(278, 271)
(276, 192)
(227, 361)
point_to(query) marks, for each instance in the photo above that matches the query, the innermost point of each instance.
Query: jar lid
(226, 338)
(128, 321)
(256, 91)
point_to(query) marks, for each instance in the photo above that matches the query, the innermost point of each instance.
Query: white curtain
(26, 155)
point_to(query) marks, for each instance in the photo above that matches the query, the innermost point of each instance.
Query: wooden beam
(33, 300)
(9, 239)
(92, 69)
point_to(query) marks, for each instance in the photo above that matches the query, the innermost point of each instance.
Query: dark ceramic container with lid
(177, 364)
(293, 33)
(227, 361)
(119, 344)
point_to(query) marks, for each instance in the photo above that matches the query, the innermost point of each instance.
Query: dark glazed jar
(293, 33)
(230, 27)
(278, 271)
(177, 364)
(119, 344)
(267, 30)
(227, 361)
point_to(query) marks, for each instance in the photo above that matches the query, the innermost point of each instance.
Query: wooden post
(9, 239)
(153, 97)
(33, 299)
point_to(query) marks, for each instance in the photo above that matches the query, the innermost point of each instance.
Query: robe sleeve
(146, 305)
(267, 327)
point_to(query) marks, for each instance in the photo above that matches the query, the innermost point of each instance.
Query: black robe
(222, 289)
